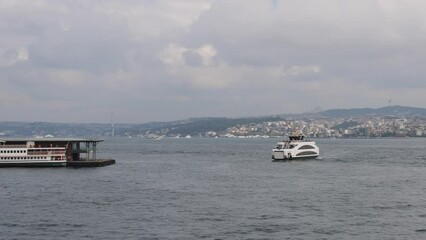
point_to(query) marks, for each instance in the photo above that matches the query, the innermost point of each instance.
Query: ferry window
(307, 147)
(25, 151)
(306, 153)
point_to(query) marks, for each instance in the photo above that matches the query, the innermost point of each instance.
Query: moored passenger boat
(31, 155)
(46, 152)
(295, 148)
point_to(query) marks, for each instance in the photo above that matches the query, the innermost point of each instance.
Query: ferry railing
(38, 153)
(25, 146)
(45, 152)
(57, 152)
(13, 146)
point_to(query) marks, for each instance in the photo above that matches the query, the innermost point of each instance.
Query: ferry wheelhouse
(297, 147)
(45, 152)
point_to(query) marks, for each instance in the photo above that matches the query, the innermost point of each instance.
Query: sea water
(223, 189)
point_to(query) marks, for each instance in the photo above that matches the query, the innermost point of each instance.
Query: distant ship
(188, 136)
(295, 148)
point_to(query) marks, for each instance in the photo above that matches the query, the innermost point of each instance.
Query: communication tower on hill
(112, 125)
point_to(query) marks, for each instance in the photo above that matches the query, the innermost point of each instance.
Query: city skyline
(78, 61)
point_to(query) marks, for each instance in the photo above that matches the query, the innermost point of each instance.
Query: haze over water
(223, 189)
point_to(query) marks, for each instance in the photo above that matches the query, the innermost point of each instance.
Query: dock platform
(90, 163)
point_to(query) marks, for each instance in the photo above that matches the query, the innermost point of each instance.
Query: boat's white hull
(280, 155)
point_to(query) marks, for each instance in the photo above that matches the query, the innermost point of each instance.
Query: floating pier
(90, 163)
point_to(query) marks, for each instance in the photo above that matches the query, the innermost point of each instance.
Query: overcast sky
(160, 60)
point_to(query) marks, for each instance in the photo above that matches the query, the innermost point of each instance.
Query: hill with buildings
(363, 122)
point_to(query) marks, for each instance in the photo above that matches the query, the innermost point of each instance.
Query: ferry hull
(33, 164)
(285, 156)
(294, 158)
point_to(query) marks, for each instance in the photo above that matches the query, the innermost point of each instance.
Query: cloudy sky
(160, 60)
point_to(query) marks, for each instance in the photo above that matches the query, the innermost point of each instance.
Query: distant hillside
(197, 126)
(192, 126)
(384, 111)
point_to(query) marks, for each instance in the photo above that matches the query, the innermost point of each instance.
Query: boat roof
(296, 137)
(4, 140)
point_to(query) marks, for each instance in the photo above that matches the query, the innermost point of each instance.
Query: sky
(162, 60)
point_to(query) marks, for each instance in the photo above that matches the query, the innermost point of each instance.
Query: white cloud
(219, 74)
(172, 55)
(12, 56)
(155, 19)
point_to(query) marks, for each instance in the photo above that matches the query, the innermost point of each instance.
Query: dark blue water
(223, 189)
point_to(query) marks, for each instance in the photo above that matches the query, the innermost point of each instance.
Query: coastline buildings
(336, 127)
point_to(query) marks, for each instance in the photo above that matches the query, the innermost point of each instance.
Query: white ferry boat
(295, 148)
(31, 155)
